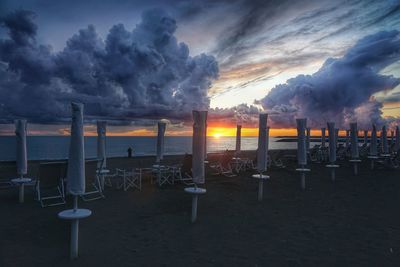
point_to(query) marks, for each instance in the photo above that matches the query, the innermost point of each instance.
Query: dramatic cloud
(143, 73)
(342, 90)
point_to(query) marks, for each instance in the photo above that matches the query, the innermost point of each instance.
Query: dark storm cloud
(141, 73)
(342, 89)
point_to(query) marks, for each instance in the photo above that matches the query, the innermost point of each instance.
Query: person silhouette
(129, 152)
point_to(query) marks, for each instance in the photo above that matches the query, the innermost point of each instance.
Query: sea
(56, 147)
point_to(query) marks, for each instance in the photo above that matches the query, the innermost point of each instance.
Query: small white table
(332, 167)
(261, 178)
(195, 192)
(21, 183)
(74, 215)
(303, 176)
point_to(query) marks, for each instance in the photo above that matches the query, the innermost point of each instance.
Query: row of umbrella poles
(76, 159)
(76, 164)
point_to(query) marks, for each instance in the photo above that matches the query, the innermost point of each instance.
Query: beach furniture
(332, 150)
(365, 136)
(314, 153)
(397, 140)
(160, 141)
(302, 151)
(323, 137)
(21, 160)
(101, 151)
(262, 154)
(50, 183)
(355, 156)
(183, 171)
(163, 174)
(373, 147)
(275, 159)
(347, 140)
(93, 181)
(75, 177)
(308, 137)
(198, 150)
(384, 143)
(132, 179)
(221, 163)
(238, 140)
(125, 179)
(323, 151)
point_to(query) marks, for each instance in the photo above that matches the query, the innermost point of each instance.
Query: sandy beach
(352, 222)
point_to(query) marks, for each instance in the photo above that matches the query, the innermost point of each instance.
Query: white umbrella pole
(74, 231)
(260, 188)
(195, 197)
(21, 193)
(303, 180)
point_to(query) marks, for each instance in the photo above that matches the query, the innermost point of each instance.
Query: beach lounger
(93, 183)
(50, 183)
(275, 160)
(223, 165)
(183, 172)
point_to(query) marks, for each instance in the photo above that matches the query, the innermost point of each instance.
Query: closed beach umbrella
(391, 138)
(397, 141)
(384, 141)
(308, 138)
(199, 140)
(160, 140)
(332, 142)
(336, 136)
(373, 149)
(76, 176)
(76, 159)
(365, 136)
(301, 141)
(238, 138)
(347, 138)
(354, 140)
(323, 136)
(101, 141)
(262, 151)
(20, 134)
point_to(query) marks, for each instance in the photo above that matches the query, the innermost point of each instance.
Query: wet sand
(352, 222)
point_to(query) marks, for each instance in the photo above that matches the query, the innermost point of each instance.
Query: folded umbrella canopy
(332, 142)
(238, 138)
(101, 142)
(373, 149)
(21, 160)
(365, 136)
(354, 140)
(384, 141)
(308, 138)
(397, 140)
(160, 140)
(347, 138)
(198, 146)
(323, 130)
(336, 136)
(76, 159)
(301, 141)
(262, 151)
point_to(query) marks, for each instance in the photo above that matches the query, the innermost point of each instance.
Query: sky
(135, 62)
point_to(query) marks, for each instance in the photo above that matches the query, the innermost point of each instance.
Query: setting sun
(217, 135)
